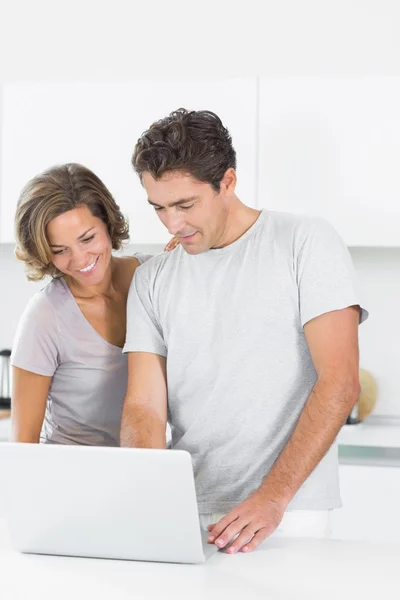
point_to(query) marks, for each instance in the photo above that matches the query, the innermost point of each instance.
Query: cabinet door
(97, 124)
(330, 147)
(371, 500)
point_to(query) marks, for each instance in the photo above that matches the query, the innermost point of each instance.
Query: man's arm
(144, 415)
(333, 342)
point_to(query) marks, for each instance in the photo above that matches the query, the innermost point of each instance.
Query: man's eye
(187, 207)
(157, 208)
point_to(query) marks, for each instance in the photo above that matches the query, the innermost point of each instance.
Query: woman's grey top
(89, 375)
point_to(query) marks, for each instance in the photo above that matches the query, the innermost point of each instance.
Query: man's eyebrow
(79, 238)
(177, 203)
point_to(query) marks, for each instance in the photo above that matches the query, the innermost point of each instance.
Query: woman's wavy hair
(50, 194)
(194, 142)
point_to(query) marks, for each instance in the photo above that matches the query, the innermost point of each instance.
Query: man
(245, 337)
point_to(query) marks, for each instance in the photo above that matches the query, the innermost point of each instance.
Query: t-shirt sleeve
(36, 342)
(326, 277)
(142, 258)
(143, 332)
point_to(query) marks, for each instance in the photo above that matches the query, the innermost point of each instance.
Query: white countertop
(374, 432)
(281, 569)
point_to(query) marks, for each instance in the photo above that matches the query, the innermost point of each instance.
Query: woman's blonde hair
(50, 194)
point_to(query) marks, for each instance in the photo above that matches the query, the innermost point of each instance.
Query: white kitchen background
(327, 146)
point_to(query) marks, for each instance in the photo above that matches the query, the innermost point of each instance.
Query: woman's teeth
(89, 268)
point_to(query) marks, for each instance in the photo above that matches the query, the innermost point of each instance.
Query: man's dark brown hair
(194, 142)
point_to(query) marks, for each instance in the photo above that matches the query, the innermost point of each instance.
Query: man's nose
(174, 223)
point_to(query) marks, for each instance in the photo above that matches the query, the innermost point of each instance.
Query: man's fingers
(230, 533)
(259, 537)
(220, 528)
(244, 538)
(211, 526)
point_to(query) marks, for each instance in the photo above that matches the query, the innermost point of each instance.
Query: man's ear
(228, 182)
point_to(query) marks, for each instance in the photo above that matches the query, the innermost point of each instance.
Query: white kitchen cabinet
(371, 500)
(330, 147)
(97, 124)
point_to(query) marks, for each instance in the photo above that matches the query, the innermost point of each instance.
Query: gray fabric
(230, 322)
(89, 375)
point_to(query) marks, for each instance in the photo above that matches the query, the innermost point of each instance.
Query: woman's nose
(79, 259)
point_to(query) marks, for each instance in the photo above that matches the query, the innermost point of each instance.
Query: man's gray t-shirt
(239, 371)
(89, 375)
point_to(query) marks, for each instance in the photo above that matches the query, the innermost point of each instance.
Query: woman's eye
(58, 251)
(89, 239)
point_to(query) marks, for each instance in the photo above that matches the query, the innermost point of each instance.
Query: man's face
(190, 209)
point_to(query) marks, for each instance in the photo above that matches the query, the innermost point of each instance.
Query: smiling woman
(69, 373)
(82, 257)
(46, 199)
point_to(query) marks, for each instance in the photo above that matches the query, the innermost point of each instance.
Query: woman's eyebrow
(79, 238)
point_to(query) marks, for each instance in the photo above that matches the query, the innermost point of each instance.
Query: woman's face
(81, 245)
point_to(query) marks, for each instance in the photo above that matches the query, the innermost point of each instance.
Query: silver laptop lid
(123, 503)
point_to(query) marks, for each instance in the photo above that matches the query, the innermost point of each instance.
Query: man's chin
(190, 249)
(193, 248)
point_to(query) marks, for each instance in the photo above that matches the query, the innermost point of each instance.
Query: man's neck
(239, 220)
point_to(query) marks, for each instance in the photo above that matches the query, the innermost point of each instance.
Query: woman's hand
(173, 243)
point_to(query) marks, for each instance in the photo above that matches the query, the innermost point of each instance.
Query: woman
(69, 373)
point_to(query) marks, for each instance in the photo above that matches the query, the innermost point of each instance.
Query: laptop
(99, 502)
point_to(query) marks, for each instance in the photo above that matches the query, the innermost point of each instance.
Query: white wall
(119, 40)
(379, 275)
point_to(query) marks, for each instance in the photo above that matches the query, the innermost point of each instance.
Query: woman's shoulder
(49, 297)
(141, 257)
(127, 265)
(39, 316)
(149, 264)
(36, 341)
(40, 313)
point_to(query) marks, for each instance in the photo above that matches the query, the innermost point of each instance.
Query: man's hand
(252, 521)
